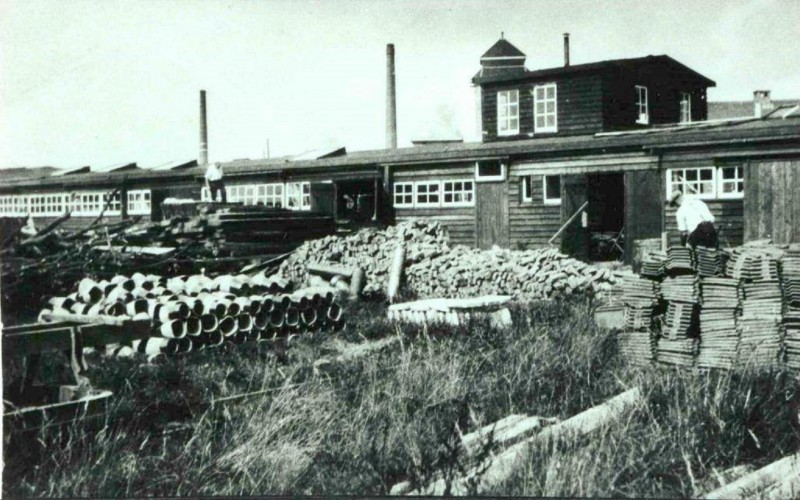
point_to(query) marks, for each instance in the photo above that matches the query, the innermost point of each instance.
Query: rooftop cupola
(502, 58)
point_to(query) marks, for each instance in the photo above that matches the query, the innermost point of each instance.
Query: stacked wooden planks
(710, 261)
(654, 265)
(679, 332)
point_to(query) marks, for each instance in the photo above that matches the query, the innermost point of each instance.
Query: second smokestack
(391, 105)
(203, 159)
(566, 49)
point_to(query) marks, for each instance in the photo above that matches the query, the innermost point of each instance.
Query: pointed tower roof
(503, 49)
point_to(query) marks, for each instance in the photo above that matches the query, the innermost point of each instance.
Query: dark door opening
(606, 216)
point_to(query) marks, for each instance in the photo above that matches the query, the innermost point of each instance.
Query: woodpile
(195, 312)
(750, 316)
(433, 269)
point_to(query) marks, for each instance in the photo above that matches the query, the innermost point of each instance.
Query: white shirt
(213, 173)
(691, 213)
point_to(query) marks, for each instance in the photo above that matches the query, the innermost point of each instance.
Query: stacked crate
(678, 342)
(719, 339)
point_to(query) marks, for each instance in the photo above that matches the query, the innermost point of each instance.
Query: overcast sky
(105, 82)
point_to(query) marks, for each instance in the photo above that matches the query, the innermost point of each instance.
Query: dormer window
(642, 114)
(545, 115)
(508, 112)
(686, 107)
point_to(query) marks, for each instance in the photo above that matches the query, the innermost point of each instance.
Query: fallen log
(503, 465)
(41, 235)
(766, 477)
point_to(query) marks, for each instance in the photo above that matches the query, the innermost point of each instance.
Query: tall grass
(397, 415)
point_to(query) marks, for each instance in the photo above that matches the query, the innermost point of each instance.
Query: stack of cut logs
(433, 269)
(749, 316)
(197, 311)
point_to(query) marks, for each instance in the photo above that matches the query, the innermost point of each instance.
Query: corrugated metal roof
(481, 78)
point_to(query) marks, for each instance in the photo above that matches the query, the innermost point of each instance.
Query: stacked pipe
(196, 312)
(432, 269)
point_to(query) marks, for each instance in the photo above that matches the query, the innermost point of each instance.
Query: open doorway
(606, 216)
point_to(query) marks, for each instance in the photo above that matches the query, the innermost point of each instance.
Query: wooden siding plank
(751, 201)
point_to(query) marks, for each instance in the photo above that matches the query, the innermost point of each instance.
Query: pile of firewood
(433, 269)
(195, 312)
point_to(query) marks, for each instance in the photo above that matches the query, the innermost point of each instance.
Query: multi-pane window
(698, 182)
(448, 193)
(139, 202)
(491, 170)
(404, 194)
(686, 107)
(642, 114)
(427, 194)
(526, 192)
(545, 116)
(458, 193)
(730, 182)
(551, 189)
(273, 195)
(298, 196)
(508, 112)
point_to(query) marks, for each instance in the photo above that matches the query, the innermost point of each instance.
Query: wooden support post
(335, 201)
(376, 203)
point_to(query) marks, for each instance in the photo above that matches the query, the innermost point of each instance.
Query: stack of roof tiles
(640, 297)
(654, 265)
(678, 342)
(710, 261)
(790, 267)
(719, 339)
(749, 316)
(680, 261)
(760, 325)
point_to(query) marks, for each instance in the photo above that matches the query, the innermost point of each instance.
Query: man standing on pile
(695, 221)
(214, 181)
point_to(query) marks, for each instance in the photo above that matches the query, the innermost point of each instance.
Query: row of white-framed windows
(551, 189)
(291, 195)
(686, 107)
(425, 194)
(545, 118)
(81, 203)
(707, 182)
(642, 112)
(508, 112)
(139, 202)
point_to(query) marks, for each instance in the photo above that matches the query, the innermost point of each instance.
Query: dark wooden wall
(491, 224)
(579, 100)
(531, 223)
(772, 200)
(459, 221)
(664, 89)
(644, 207)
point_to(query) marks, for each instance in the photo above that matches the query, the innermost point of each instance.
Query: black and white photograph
(400, 248)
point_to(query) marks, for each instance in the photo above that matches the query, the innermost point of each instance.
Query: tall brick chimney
(566, 49)
(203, 159)
(391, 102)
(762, 103)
